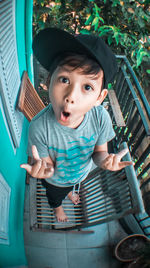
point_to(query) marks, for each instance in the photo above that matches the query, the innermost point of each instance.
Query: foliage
(124, 25)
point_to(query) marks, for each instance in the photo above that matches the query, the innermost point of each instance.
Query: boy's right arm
(42, 168)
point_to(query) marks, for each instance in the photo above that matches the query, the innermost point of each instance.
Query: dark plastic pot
(129, 248)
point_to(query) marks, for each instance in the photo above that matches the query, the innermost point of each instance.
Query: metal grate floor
(104, 196)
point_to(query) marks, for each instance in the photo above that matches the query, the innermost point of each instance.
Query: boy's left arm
(112, 162)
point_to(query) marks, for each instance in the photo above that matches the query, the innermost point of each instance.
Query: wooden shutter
(9, 69)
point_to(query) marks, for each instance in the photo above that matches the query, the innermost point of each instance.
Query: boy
(74, 128)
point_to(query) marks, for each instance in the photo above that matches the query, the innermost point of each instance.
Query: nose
(71, 95)
(69, 100)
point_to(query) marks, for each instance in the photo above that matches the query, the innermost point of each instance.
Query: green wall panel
(13, 254)
(10, 160)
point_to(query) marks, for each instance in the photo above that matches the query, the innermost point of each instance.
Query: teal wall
(14, 254)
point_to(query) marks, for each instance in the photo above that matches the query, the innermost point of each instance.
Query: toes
(77, 200)
(74, 198)
(62, 219)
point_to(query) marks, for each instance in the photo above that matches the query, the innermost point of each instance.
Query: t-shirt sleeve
(106, 131)
(36, 136)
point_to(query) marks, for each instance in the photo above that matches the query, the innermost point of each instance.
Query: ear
(101, 97)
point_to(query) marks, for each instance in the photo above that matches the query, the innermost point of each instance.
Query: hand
(113, 161)
(42, 168)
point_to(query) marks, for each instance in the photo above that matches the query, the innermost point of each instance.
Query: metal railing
(136, 113)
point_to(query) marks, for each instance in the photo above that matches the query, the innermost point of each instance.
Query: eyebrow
(63, 68)
(94, 77)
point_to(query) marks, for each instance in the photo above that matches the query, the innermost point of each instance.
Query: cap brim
(51, 42)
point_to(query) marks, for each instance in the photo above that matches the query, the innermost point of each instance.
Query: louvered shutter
(9, 69)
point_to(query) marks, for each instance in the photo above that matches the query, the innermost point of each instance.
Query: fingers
(35, 153)
(41, 169)
(109, 160)
(107, 163)
(123, 153)
(33, 170)
(113, 161)
(46, 170)
(27, 167)
(125, 164)
(36, 168)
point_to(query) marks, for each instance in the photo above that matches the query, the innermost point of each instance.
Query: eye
(64, 80)
(88, 87)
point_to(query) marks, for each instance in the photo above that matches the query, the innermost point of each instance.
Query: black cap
(51, 42)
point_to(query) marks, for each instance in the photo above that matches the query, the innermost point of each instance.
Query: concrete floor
(72, 250)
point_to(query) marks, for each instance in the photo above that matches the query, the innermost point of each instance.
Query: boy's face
(73, 94)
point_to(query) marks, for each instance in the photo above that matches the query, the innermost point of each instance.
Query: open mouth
(65, 116)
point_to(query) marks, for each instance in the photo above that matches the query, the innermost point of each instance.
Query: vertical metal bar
(138, 142)
(142, 158)
(128, 108)
(120, 89)
(131, 124)
(123, 95)
(125, 102)
(118, 80)
(135, 133)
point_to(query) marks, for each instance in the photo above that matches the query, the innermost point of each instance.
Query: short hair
(88, 65)
(85, 63)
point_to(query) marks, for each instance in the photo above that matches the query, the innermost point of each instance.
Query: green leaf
(116, 36)
(89, 20)
(95, 21)
(148, 71)
(110, 40)
(105, 29)
(140, 56)
(109, 86)
(84, 31)
(101, 19)
(97, 9)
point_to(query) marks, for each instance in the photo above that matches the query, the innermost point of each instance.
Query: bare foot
(74, 198)
(60, 214)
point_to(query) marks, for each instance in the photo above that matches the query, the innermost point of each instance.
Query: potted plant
(131, 248)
